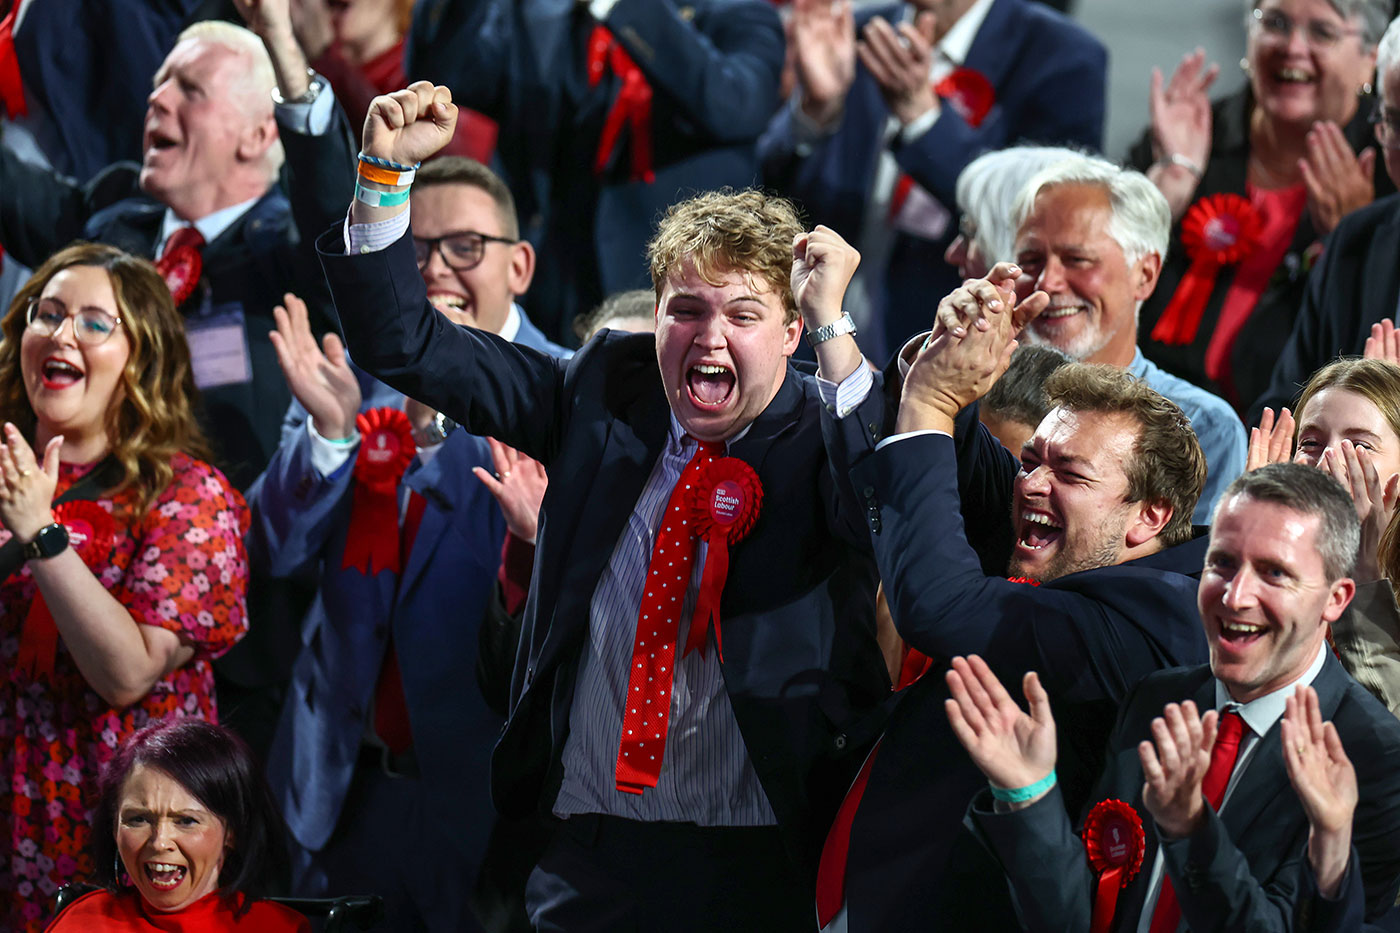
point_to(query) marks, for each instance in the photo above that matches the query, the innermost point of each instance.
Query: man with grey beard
(1092, 236)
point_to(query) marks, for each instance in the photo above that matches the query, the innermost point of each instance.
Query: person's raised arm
(822, 266)
(272, 21)
(402, 129)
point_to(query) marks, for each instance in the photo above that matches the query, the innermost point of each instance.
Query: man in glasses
(1356, 283)
(383, 740)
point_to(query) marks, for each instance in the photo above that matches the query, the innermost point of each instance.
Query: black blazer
(1356, 284)
(800, 657)
(1243, 869)
(1091, 635)
(1260, 341)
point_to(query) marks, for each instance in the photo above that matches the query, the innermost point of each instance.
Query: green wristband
(1022, 794)
(380, 198)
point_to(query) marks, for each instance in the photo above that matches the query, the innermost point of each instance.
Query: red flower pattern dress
(182, 567)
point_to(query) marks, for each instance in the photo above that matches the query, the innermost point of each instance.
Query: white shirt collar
(957, 41)
(209, 226)
(511, 326)
(1261, 713)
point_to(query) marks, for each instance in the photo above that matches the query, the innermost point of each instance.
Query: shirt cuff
(911, 349)
(312, 119)
(846, 396)
(807, 132)
(895, 438)
(329, 457)
(426, 454)
(371, 238)
(916, 128)
(601, 8)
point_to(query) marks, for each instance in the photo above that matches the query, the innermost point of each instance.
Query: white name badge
(219, 348)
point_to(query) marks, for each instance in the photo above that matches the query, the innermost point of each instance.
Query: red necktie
(1167, 917)
(181, 238)
(648, 705)
(390, 705)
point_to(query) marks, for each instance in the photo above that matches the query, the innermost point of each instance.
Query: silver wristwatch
(842, 325)
(308, 96)
(435, 431)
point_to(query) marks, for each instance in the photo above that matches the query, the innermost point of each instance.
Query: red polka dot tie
(648, 704)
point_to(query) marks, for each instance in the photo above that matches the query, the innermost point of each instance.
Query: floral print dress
(181, 567)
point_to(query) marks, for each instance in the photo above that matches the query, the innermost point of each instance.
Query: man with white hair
(205, 205)
(1092, 236)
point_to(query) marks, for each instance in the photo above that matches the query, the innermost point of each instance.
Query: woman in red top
(117, 602)
(187, 836)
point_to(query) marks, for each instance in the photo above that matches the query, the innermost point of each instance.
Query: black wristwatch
(50, 541)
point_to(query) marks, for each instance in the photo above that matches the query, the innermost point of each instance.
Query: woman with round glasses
(122, 569)
(1255, 181)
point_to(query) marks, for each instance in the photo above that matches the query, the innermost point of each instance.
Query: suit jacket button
(868, 492)
(840, 742)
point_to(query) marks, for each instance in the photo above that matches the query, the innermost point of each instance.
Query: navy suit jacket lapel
(1379, 292)
(1001, 30)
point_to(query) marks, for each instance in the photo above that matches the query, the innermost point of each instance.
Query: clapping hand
(321, 380)
(824, 55)
(1338, 181)
(1180, 111)
(899, 60)
(1011, 748)
(1325, 782)
(26, 487)
(1174, 763)
(518, 485)
(1355, 468)
(1271, 441)
(1384, 342)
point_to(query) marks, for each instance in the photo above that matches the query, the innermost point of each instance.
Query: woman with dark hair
(122, 569)
(187, 836)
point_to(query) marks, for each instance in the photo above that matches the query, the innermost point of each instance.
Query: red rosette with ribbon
(1219, 230)
(386, 450)
(181, 267)
(632, 107)
(1115, 843)
(969, 93)
(91, 531)
(723, 503)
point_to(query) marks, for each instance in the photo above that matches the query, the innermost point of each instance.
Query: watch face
(50, 540)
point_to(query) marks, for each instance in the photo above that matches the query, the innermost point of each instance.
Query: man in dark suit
(397, 761)
(874, 152)
(1197, 751)
(695, 82)
(1094, 528)
(213, 148)
(719, 832)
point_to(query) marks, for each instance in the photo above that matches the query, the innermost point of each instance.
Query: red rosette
(631, 108)
(1218, 230)
(723, 503)
(386, 450)
(91, 533)
(969, 93)
(1115, 843)
(180, 267)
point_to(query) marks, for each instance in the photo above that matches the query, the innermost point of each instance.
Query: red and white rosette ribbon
(969, 93)
(91, 530)
(723, 503)
(1115, 843)
(1219, 230)
(386, 450)
(632, 106)
(181, 267)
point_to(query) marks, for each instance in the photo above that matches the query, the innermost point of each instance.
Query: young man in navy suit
(693, 758)
(383, 743)
(1196, 758)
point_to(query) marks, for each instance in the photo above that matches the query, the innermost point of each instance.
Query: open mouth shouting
(709, 385)
(1237, 635)
(1038, 531)
(164, 876)
(60, 374)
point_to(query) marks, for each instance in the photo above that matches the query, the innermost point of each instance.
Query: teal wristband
(380, 198)
(1022, 794)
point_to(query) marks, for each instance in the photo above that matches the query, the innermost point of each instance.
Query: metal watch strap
(842, 325)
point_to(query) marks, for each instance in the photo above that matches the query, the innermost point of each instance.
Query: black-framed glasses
(92, 326)
(1386, 122)
(459, 250)
(1320, 34)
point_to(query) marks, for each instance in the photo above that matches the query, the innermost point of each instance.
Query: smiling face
(72, 385)
(203, 143)
(1296, 83)
(1066, 248)
(1069, 501)
(722, 349)
(171, 846)
(1336, 414)
(480, 296)
(1264, 597)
